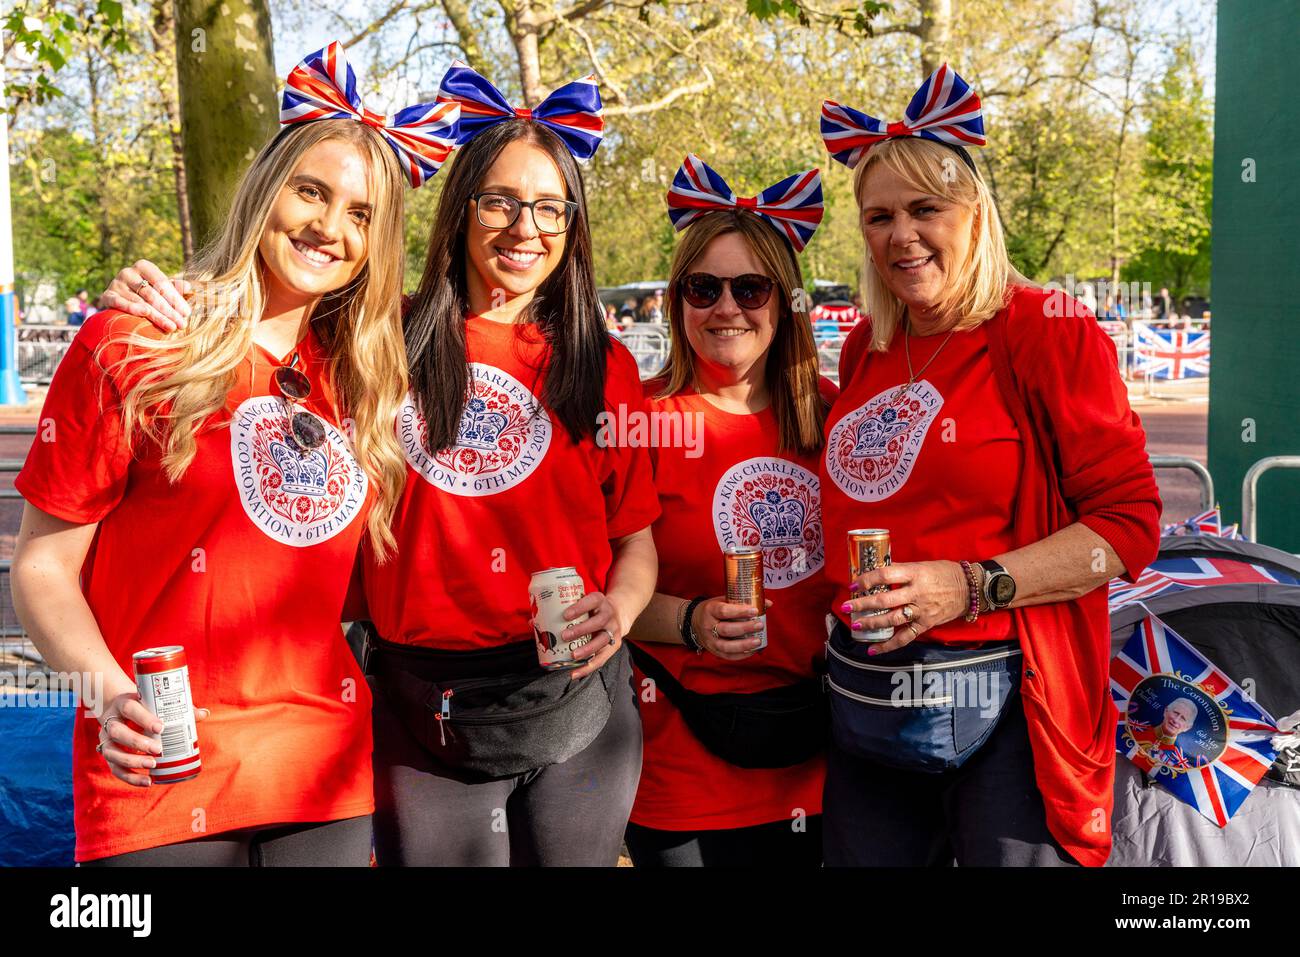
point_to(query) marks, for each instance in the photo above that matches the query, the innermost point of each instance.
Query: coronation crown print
(875, 432)
(479, 428)
(302, 473)
(780, 520)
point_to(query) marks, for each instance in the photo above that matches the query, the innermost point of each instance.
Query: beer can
(868, 550)
(550, 592)
(163, 679)
(744, 570)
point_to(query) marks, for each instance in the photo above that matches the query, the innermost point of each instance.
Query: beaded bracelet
(973, 608)
(684, 626)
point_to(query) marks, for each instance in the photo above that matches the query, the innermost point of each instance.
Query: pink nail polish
(857, 626)
(846, 608)
(872, 650)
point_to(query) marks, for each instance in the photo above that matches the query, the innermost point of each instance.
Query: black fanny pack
(778, 728)
(496, 712)
(924, 707)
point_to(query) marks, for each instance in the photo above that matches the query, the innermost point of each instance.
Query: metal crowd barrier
(40, 350)
(1193, 466)
(1250, 489)
(10, 629)
(649, 344)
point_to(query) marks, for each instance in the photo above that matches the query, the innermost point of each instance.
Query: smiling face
(730, 339)
(316, 237)
(1179, 717)
(518, 259)
(918, 241)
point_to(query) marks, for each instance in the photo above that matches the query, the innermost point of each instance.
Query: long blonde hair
(793, 372)
(979, 288)
(175, 383)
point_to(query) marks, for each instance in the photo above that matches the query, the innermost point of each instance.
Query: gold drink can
(868, 550)
(744, 571)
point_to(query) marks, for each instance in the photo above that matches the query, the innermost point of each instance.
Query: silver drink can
(162, 676)
(550, 592)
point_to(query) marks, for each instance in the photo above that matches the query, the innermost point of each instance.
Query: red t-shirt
(516, 495)
(734, 487)
(245, 562)
(938, 467)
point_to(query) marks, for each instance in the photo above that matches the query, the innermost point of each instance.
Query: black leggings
(777, 844)
(567, 814)
(343, 843)
(987, 813)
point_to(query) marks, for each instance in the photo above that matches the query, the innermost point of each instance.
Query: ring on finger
(908, 612)
(911, 626)
(140, 285)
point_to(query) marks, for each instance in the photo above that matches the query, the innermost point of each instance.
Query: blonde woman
(982, 422)
(211, 488)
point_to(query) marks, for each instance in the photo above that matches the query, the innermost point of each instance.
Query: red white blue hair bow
(944, 109)
(793, 207)
(323, 87)
(573, 112)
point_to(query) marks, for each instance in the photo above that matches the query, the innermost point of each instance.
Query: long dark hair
(565, 309)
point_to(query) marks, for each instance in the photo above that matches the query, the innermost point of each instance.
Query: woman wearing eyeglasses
(481, 757)
(735, 725)
(206, 490)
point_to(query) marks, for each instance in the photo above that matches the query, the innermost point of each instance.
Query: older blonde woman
(983, 423)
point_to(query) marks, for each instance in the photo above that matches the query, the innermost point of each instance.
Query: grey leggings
(343, 843)
(567, 814)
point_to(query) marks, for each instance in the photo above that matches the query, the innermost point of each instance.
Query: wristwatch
(999, 586)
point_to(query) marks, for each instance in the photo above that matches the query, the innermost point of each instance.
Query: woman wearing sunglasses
(246, 457)
(983, 423)
(734, 725)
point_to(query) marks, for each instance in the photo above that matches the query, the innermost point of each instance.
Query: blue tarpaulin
(35, 784)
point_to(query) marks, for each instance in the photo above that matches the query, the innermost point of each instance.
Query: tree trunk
(458, 13)
(935, 34)
(97, 132)
(523, 35)
(226, 75)
(164, 28)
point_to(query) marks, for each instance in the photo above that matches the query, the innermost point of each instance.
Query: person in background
(88, 308)
(657, 306)
(72, 311)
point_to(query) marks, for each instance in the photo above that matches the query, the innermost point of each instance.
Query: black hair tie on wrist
(688, 636)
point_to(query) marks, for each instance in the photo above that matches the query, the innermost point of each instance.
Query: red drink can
(163, 679)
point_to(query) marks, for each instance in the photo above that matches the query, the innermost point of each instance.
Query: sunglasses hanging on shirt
(306, 430)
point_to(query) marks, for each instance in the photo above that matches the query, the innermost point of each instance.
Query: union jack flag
(1177, 573)
(1213, 771)
(324, 87)
(1170, 354)
(945, 109)
(793, 207)
(573, 112)
(1207, 523)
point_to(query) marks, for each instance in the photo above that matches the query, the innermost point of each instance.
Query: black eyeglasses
(499, 211)
(751, 291)
(306, 430)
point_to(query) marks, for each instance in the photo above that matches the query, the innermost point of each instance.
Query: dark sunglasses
(306, 431)
(751, 291)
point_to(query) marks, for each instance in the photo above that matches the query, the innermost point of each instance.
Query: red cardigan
(1085, 461)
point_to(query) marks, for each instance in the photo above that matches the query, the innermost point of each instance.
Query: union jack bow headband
(324, 87)
(572, 112)
(793, 207)
(944, 109)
